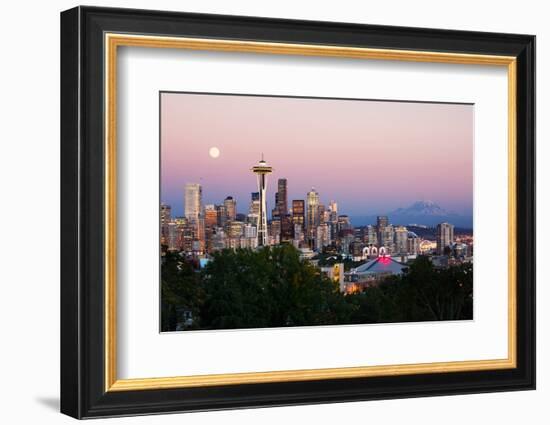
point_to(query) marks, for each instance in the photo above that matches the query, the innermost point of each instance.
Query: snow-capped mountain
(428, 213)
(422, 208)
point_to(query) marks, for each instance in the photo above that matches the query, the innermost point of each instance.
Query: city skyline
(310, 227)
(308, 223)
(178, 210)
(386, 172)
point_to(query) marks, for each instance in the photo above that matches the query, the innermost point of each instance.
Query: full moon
(214, 152)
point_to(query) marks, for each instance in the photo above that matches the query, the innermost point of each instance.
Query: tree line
(272, 287)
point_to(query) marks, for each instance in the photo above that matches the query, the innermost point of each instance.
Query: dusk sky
(369, 156)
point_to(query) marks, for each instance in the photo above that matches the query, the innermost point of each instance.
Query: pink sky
(369, 156)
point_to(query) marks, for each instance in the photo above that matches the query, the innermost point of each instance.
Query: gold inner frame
(113, 41)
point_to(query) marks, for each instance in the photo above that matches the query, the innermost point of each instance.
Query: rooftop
(380, 264)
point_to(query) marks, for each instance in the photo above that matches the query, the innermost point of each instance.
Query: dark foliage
(181, 292)
(273, 288)
(422, 293)
(268, 288)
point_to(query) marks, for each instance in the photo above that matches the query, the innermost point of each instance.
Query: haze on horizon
(371, 157)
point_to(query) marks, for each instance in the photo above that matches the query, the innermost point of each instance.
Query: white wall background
(29, 215)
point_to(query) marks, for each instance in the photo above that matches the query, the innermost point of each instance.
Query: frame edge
(70, 349)
(79, 398)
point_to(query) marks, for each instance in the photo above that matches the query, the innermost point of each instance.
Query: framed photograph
(261, 212)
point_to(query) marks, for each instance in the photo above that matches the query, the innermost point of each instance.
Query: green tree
(421, 293)
(180, 292)
(440, 294)
(271, 287)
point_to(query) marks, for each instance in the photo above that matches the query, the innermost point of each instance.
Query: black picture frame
(83, 392)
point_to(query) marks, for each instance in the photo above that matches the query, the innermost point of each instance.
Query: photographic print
(283, 211)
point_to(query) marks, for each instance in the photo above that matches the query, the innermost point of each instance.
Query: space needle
(262, 170)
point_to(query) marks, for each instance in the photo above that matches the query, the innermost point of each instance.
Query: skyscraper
(165, 213)
(384, 232)
(210, 216)
(221, 214)
(192, 202)
(386, 238)
(287, 228)
(262, 170)
(274, 237)
(254, 208)
(250, 231)
(235, 229)
(344, 223)
(370, 235)
(230, 208)
(298, 213)
(401, 235)
(186, 234)
(281, 202)
(312, 219)
(194, 214)
(254, 203)
(172, 238)
(322, 237)
(413, 243)
(165, 217)
(275, 210)
(382, 221)
(282, 199)
(333, 210)
(444, 236)
(210, 223)
(322, 213)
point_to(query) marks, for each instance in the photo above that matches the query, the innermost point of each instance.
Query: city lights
(313, 228)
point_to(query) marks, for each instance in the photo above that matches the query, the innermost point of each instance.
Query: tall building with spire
(193, 211)
(262, 170)
(333, 210)
(312, 218)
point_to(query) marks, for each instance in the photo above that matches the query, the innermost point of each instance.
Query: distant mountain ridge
(427, 213)
(422, 208)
